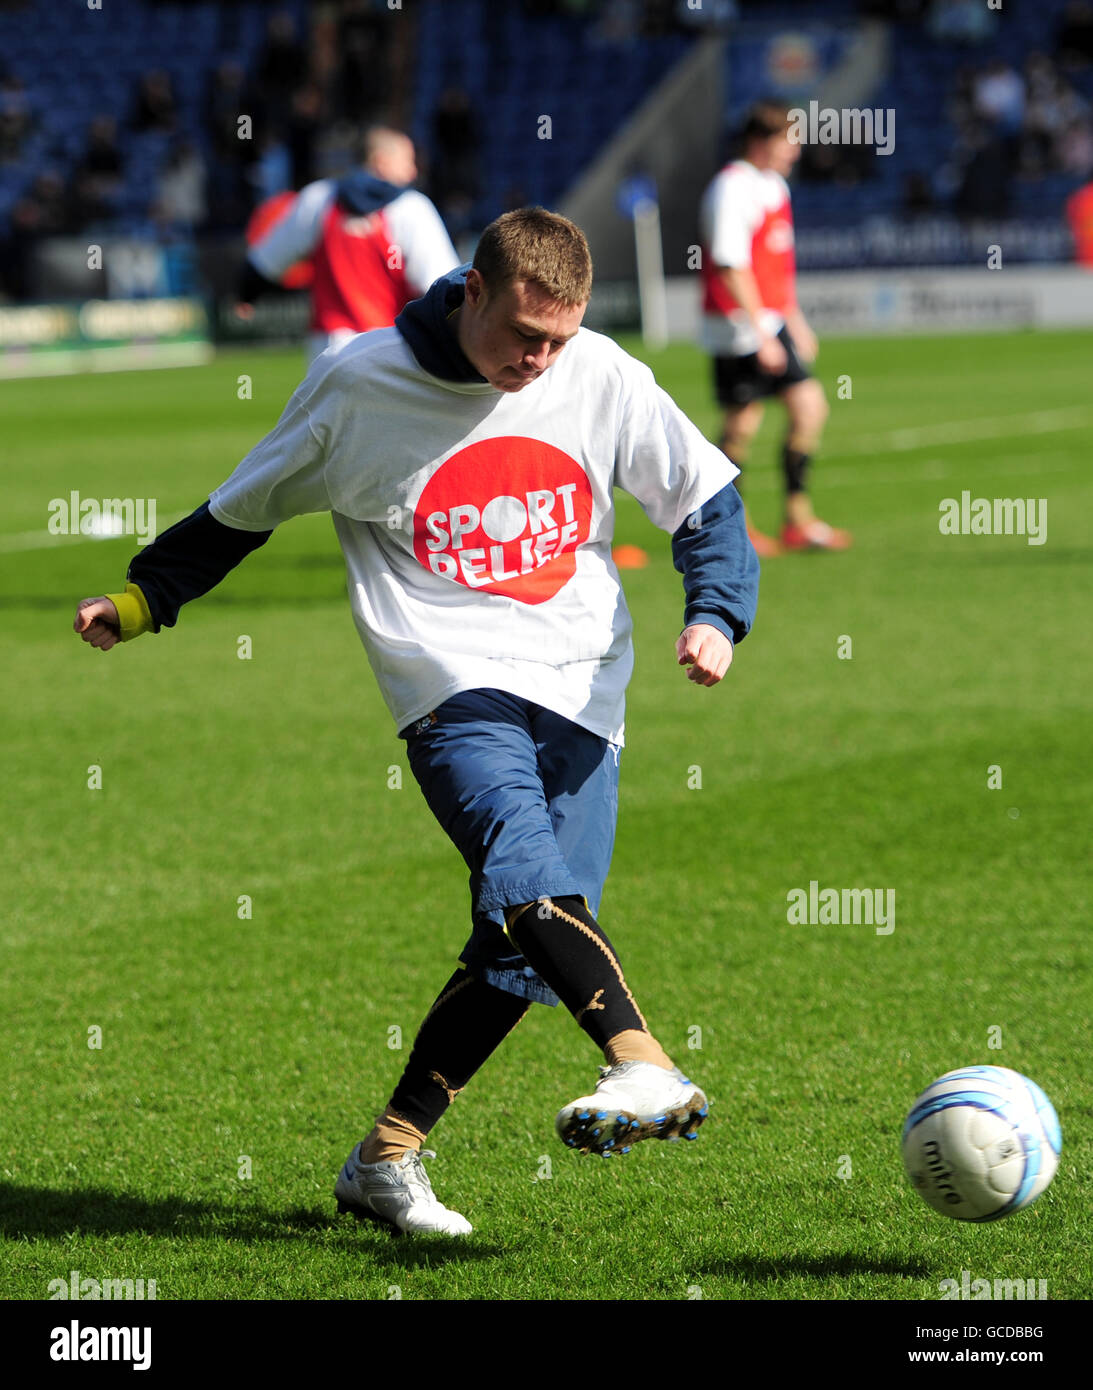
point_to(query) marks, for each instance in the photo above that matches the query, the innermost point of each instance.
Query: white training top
(414, 224)
(734, 208)
(477, 524)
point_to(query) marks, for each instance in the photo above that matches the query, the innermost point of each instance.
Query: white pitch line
(961, 431)
(43, 540)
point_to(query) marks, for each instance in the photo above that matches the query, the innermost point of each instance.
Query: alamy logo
(994, 516)
(847, 126)
(113, 516)
(76, 1343)
(95, 1289)
(822, 907)
(974, 1290)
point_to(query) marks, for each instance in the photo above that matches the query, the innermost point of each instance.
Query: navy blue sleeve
(719, 566)
(188, 560)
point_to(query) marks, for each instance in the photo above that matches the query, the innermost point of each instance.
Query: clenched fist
(706, 651)
(97, 622)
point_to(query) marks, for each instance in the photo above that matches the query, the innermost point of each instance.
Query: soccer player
(468, 455)
(374, 243)
(760, 341)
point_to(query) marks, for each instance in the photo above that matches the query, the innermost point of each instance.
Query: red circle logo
(505, 515)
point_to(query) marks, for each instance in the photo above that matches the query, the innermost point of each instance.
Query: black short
(740, 380)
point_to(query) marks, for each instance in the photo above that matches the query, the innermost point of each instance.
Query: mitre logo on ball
(506, 516)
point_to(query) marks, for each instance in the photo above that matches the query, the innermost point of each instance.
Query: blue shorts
(530, 800)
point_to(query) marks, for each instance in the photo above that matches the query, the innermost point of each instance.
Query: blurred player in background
(752, 324)
(373, 242)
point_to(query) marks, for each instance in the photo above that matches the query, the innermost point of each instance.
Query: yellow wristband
(134, 614)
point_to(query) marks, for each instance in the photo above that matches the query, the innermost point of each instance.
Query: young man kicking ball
(468, 456)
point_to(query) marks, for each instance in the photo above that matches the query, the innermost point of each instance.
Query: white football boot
(634, 1100)
(397, 1194)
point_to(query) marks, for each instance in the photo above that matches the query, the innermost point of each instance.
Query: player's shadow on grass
(774, 1270)
(41, 1212)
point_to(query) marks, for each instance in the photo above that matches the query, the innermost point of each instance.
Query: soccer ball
(981, 1142)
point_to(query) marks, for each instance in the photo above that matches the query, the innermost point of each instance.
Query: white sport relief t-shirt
(477, 524)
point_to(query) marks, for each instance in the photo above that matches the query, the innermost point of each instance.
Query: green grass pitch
(263, 1046)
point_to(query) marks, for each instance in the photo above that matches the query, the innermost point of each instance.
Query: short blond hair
(539, 246)
(380, 139)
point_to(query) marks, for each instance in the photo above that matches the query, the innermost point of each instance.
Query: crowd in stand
(304, 99)
(1021, 124)
(307, 94)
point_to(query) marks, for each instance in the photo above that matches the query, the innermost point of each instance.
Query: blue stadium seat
(515, 66)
